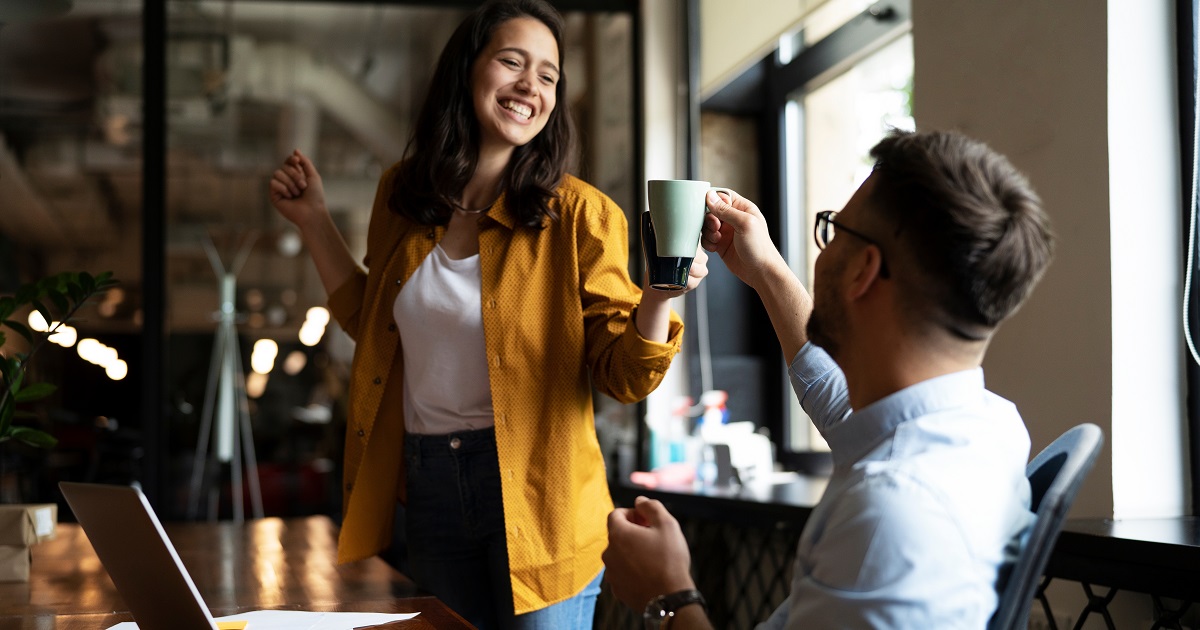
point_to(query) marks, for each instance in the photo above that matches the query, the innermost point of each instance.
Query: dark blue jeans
(454, 525)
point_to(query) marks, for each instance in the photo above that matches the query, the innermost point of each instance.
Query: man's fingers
(653, 511)
(737, 211)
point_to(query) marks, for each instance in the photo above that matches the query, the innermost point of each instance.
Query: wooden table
(282, 564)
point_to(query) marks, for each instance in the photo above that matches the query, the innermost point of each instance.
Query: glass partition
(70, 200)
(251, 358)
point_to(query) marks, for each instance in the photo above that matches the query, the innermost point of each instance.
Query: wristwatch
(661, 610)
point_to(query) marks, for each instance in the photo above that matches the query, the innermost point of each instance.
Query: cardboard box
(14, 563)
(22, 525)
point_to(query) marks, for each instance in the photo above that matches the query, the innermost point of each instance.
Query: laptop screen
(138, 556)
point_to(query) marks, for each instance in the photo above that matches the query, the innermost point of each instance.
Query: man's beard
(826, 322)
(823, 328)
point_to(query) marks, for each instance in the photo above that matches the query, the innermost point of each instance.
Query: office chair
(1055, 476)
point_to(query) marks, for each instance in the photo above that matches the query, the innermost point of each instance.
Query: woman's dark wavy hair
(443, 151)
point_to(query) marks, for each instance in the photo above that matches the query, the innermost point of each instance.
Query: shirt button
(391, 328)
(429, 235)
(496, 361)
(349, 487)
(398, 281)
(492, 303)
(377, 380)
(361, 433)
(455, 443)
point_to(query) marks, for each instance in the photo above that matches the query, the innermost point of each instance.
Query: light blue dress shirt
(928, 489)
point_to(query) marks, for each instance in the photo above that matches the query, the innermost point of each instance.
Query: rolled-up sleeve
(820, 386)
(624, 364)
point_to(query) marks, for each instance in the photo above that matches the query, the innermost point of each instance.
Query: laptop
(138, 556)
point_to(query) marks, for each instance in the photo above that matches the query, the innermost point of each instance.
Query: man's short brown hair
(969, 223)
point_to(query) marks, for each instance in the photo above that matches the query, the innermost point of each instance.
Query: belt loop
(412, 446)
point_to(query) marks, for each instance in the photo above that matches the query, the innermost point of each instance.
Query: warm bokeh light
(37, 322)
(262, 358)
(311, 332)
(87, 349)
(93, 351)
(295, 361)
(256, 384)
(106, 356)
(317, 314)
(117, 370)
(65, 336)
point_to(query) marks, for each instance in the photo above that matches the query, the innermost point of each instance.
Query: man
(939, 245)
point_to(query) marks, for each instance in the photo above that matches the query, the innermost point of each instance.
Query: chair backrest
(1055, 476)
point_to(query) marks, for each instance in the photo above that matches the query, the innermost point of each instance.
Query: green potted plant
(57, 298)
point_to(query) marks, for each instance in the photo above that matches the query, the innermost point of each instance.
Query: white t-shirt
(440, 318)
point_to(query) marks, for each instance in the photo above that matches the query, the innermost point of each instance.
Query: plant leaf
(21, 413)
(45, 312)
(60, 300)
(20, 328)
(87, 282)
(7, 306)
(33, 437)
(6, 414)
(36, 391)
(75, 292)
(26, 293)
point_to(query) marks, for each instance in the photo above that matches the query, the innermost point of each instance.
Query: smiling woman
(496, 298)
(514, 87)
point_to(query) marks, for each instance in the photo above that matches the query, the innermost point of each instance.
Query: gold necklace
(459, 208)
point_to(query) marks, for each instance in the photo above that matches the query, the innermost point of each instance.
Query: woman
(496, 297)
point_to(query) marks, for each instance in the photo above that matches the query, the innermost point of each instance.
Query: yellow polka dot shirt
(558, 319)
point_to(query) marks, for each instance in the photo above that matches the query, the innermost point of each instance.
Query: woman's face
(513, 84)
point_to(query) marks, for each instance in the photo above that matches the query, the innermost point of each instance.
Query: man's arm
(647, 556)
(738, 233)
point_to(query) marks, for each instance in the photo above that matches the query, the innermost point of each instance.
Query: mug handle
(727, 191)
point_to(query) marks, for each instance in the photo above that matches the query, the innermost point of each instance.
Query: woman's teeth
(523, 110)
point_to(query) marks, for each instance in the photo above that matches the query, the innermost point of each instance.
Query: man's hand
(737, 232)
(647, 555)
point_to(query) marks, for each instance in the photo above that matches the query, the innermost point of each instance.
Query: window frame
(1187, 35)
(764, 91)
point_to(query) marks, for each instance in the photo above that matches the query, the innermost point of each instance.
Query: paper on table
(301, 620)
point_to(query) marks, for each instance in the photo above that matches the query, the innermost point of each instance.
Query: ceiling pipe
(287, 74)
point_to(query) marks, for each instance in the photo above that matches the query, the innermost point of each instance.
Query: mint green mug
(671, 229)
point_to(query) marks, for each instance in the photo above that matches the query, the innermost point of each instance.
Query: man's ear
(867, 266)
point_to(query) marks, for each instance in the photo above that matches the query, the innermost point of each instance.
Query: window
(830, 125)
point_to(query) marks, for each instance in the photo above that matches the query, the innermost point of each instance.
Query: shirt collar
(863, 429)
(501, 213)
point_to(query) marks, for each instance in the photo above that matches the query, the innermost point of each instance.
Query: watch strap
(660, 610)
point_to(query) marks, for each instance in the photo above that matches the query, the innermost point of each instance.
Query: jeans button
(455, 443)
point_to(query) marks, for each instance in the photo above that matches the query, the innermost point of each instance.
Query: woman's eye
(512, 63)
(547, 79)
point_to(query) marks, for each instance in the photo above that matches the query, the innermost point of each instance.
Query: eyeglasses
(826, 228)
